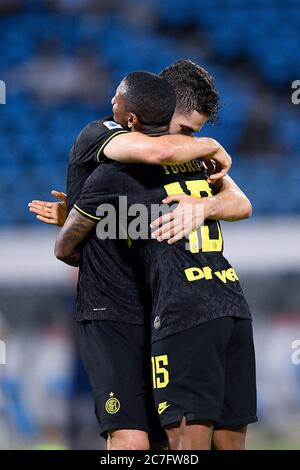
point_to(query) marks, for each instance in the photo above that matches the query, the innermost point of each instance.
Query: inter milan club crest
(112, 405)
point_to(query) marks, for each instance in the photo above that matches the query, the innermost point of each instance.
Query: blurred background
(61, 61)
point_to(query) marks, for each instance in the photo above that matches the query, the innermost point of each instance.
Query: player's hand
(219, 165)
(54, 213)
(179, 223)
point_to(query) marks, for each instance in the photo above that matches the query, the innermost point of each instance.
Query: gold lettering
(174, 168)
(194, 274)
(190, 167)
(207, 272)
(182, 167)
(221, 275)
(231, 275)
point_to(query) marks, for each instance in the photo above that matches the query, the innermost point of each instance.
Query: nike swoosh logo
(161, 409)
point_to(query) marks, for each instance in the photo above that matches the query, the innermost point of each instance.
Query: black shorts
(207, 374)
(117, 360)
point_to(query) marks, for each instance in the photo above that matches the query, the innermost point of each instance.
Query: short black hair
(194, 88)
(150, 97)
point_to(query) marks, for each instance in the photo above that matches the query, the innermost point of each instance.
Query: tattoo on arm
(76, 228)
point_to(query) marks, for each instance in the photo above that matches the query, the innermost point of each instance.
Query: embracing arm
(229, 204)
(75, 230)
(134, 147)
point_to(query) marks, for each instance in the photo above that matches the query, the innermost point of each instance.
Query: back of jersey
(190, 281)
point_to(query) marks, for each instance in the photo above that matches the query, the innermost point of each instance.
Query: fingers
(59, 195)
(222, 164)
(170, 215)
(36, 202)
(48, 212)
(167, 230)
(178, 236)
(162, 220)
(174, 198)
(46, 220)
(44, 214)
(41, 210)
(176, 224)
(182, 224)
(173, 232)
(216, 176)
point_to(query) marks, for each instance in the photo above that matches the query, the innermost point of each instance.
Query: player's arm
(168, 149)
(76, 228)
(53, 213)
(82, 218)
(229, 204)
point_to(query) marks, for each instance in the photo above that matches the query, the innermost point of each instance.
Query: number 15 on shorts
(160, 373)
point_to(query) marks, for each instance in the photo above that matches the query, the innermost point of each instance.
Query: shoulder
(105, 177)
(99, 126)
(96, 129)
(95, 179)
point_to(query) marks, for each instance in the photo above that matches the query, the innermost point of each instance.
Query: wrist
(208, 206)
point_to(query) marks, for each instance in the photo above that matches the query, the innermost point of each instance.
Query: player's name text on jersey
(188, 167)
(2, 92)
(197, 274)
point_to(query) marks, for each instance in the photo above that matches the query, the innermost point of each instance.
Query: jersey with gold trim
(106, 284)
(87, 153)
(187, 283)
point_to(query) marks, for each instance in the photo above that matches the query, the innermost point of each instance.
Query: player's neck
(153, 131)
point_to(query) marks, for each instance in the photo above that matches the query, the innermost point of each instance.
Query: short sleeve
(92, 140)
(91, 195)
(102, 186)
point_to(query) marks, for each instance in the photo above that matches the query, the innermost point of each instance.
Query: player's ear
(132, 121)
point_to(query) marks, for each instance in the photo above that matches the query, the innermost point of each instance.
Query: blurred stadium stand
(61, 69)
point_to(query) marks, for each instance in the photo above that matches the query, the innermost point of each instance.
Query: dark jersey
(188, 283)
(107, 285)
(97, 296)
(87, 153)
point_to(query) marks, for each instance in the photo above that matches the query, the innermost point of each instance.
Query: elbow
(248, 211)
(213, 145)
(210, 146)
(60, 250)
